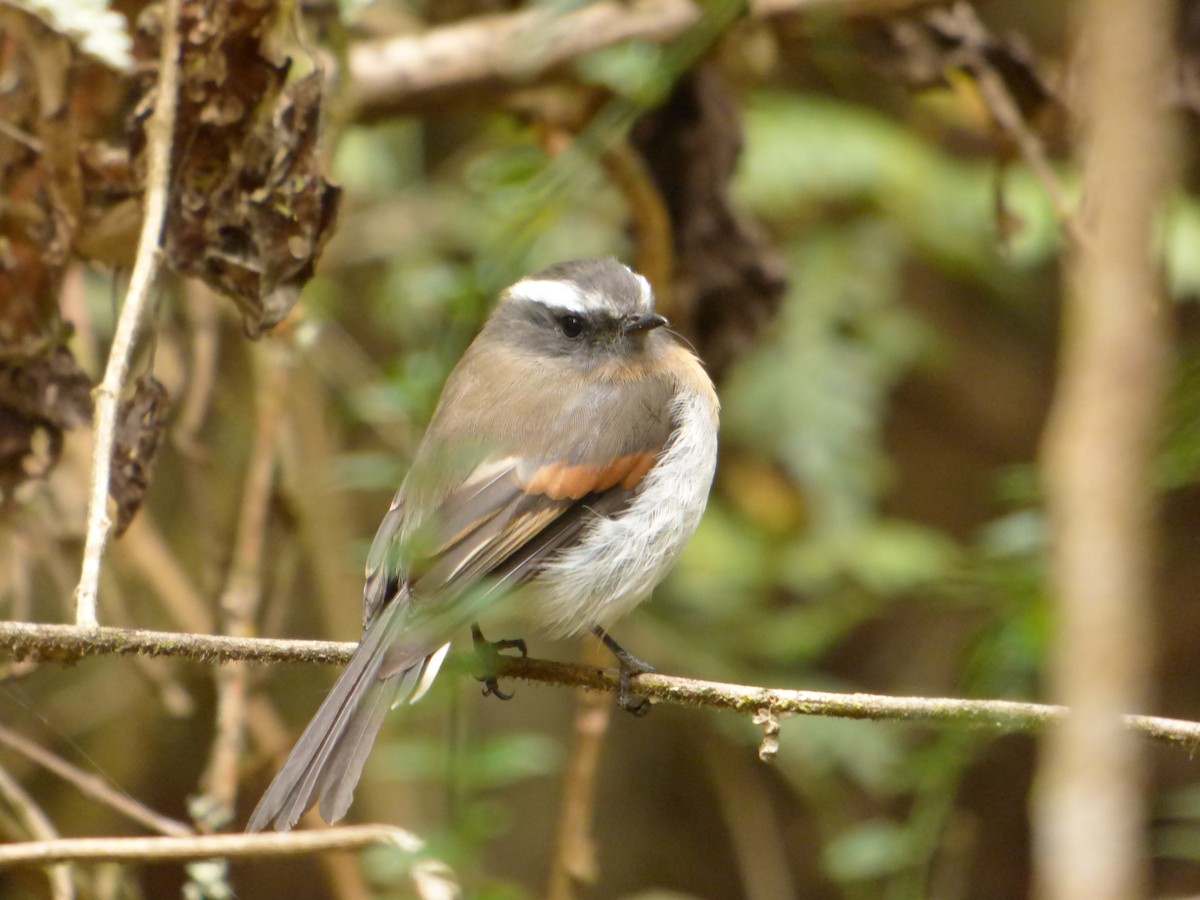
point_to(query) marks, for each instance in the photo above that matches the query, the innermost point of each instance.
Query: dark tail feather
(345, 764)
(328, 759)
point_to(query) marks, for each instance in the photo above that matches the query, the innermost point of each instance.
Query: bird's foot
(628, 667)
(486, 652)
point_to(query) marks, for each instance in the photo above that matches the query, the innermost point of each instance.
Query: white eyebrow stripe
(646, 300)
(555, 294)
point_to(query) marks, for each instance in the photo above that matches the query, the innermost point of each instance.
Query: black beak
(635, 322)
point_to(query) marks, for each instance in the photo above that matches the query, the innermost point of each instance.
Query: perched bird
(566, 465)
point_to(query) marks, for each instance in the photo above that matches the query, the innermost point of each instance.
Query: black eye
(572, 326)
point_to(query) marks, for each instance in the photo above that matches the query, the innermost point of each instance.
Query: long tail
(328, 760)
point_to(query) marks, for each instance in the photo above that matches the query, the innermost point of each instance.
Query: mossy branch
(67, 643)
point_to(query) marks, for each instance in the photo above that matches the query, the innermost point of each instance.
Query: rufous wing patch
(642, 463)
(562, 481)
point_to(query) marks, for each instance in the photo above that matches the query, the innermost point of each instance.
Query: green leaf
(633, 69)
(873, 849)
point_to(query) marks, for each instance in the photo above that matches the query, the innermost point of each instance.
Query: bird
(568, 461)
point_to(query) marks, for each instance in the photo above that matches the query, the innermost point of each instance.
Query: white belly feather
(621, 559)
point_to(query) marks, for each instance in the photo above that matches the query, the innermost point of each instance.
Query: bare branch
(35, 822)
(205, 846)
(200, 307)
(213, 807)
(70, 643)
(159, 131)
(67, 643)
(574, 866)
(1006, 112)
(92, 785)
(416, 71)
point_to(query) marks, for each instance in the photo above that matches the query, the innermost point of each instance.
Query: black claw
(642, 709)
(486, 652)
(628, 666)
(510, 644)
(491, 688)
(625, 698)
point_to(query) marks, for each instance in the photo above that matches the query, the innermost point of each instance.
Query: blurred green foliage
(809, 155)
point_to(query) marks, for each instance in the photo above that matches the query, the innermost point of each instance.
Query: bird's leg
(628, 666)
(487, 651)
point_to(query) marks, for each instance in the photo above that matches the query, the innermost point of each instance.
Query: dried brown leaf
(57, 104)
(250, 207)
(141, 425)
(39, 399)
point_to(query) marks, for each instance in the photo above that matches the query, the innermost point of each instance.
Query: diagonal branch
(37, 824)
(68, 643)
(92, 785)
(159, 130)
(410, 72)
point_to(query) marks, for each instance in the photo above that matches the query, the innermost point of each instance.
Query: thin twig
(200, 307)
(16, 564)
(1006, 113)
(574, 864)
(25, 140)
(67, 643)
(308, 460)
(1008, 116)
(159, 131)
(205, 846)
(39, 826)
(92, 785)
(214, 808)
